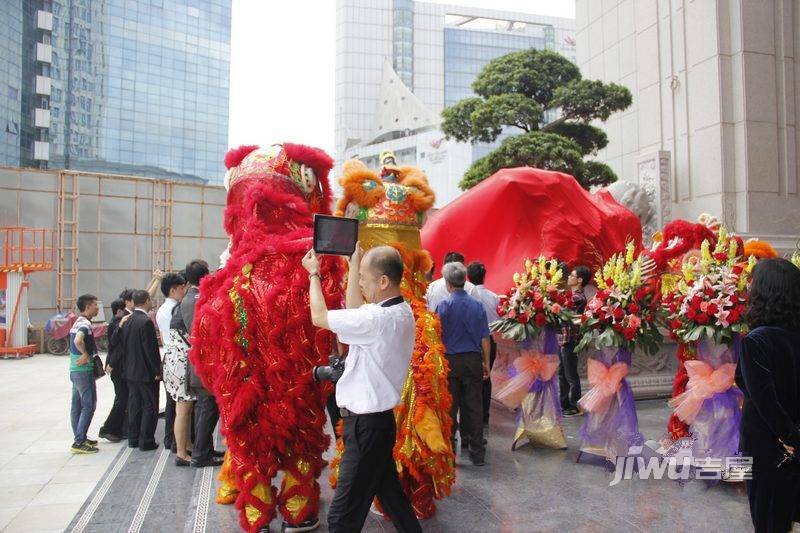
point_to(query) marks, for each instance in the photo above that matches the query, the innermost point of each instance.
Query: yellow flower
(629, 253)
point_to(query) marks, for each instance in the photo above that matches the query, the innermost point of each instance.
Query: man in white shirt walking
(381, 339)
(476, 273)
(437, 290)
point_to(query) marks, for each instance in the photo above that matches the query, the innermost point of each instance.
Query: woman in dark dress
(769, 376)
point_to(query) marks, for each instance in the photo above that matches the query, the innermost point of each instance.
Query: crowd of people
(145, 349)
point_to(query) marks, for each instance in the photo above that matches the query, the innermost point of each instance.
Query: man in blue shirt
(465, 333)
(82, 349)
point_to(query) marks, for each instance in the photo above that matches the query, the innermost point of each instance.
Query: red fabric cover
(520, 213)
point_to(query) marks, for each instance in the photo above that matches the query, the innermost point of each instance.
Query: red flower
(609, 282)
(619, 314)
(721, 256)
(634, 308)
(629, 334)
(501, 311)
(538, 303)
(540, 319)
(523, 318)
(675, 324)
(691, 314)
(712, 309)
(673, 308)
(709, 292)
(701, 319)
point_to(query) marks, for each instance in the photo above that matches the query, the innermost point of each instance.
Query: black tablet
(335, 235)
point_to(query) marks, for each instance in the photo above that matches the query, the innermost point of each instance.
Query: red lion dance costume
(391, 211)
(253, 343)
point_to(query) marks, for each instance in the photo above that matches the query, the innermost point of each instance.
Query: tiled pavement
(42, 487)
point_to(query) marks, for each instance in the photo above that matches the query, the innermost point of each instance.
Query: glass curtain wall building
(10, 81)
(132, 86)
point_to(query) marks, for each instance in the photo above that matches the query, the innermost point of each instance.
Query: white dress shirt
(489, 301)
(163, 318)
(381, 342)
(437, 293)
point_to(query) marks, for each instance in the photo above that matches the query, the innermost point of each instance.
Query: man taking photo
(381, 339)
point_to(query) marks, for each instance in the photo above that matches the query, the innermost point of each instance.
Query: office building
(716, 94)
(120, 86)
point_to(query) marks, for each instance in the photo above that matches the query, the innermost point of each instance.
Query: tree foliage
(514, 92)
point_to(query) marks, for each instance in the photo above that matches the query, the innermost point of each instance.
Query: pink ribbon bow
(704, 382)
(533, 367)
(605, 383)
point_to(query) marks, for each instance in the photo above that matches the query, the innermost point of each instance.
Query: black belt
(345, 413)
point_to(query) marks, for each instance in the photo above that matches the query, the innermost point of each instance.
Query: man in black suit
(143, 372)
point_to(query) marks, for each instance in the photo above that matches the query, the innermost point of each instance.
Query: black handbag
(98, 370)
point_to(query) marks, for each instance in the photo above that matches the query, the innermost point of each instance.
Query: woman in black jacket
(769, 376)
(115, 428)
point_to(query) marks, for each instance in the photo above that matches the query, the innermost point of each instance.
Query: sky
(282, 67)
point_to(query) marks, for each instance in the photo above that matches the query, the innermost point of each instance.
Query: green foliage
(533, 73)
(514, 91)
(588, 137)
(591, 99)
(535, 149)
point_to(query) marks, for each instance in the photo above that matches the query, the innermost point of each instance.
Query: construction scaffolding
(110, 231)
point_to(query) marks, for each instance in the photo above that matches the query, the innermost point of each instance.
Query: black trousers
(206, 415)
(367, 471)
(117, 421)
(333, 412)
(465, 382)
(142, 412)
(487, 383)
(774, 498)
(169, 421)
(569, 382)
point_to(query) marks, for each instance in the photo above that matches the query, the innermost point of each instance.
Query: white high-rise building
(400, 62)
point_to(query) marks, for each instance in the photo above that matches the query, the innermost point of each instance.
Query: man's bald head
(385, 261)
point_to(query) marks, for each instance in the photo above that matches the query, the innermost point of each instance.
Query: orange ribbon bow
(531, 368)
(605, 383)
(704, 382)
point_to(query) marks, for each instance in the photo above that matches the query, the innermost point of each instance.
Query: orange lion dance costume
(253, 343)
(391, 211)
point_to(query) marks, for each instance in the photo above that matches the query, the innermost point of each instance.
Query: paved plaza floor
(45, 488)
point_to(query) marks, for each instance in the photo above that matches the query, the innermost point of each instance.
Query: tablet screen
(335, 235)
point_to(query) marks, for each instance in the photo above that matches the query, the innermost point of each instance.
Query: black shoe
(182, 462)
(570, 412)
(217, 453)
(110, 437)
(91, 442)
(148, 447)
(309, 525)
(207, 462)
(133, 443)
(478, 462)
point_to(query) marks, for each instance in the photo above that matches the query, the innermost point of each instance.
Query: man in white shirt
(437, 290)
(173, 287)
(476, 273)
(381, 339)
